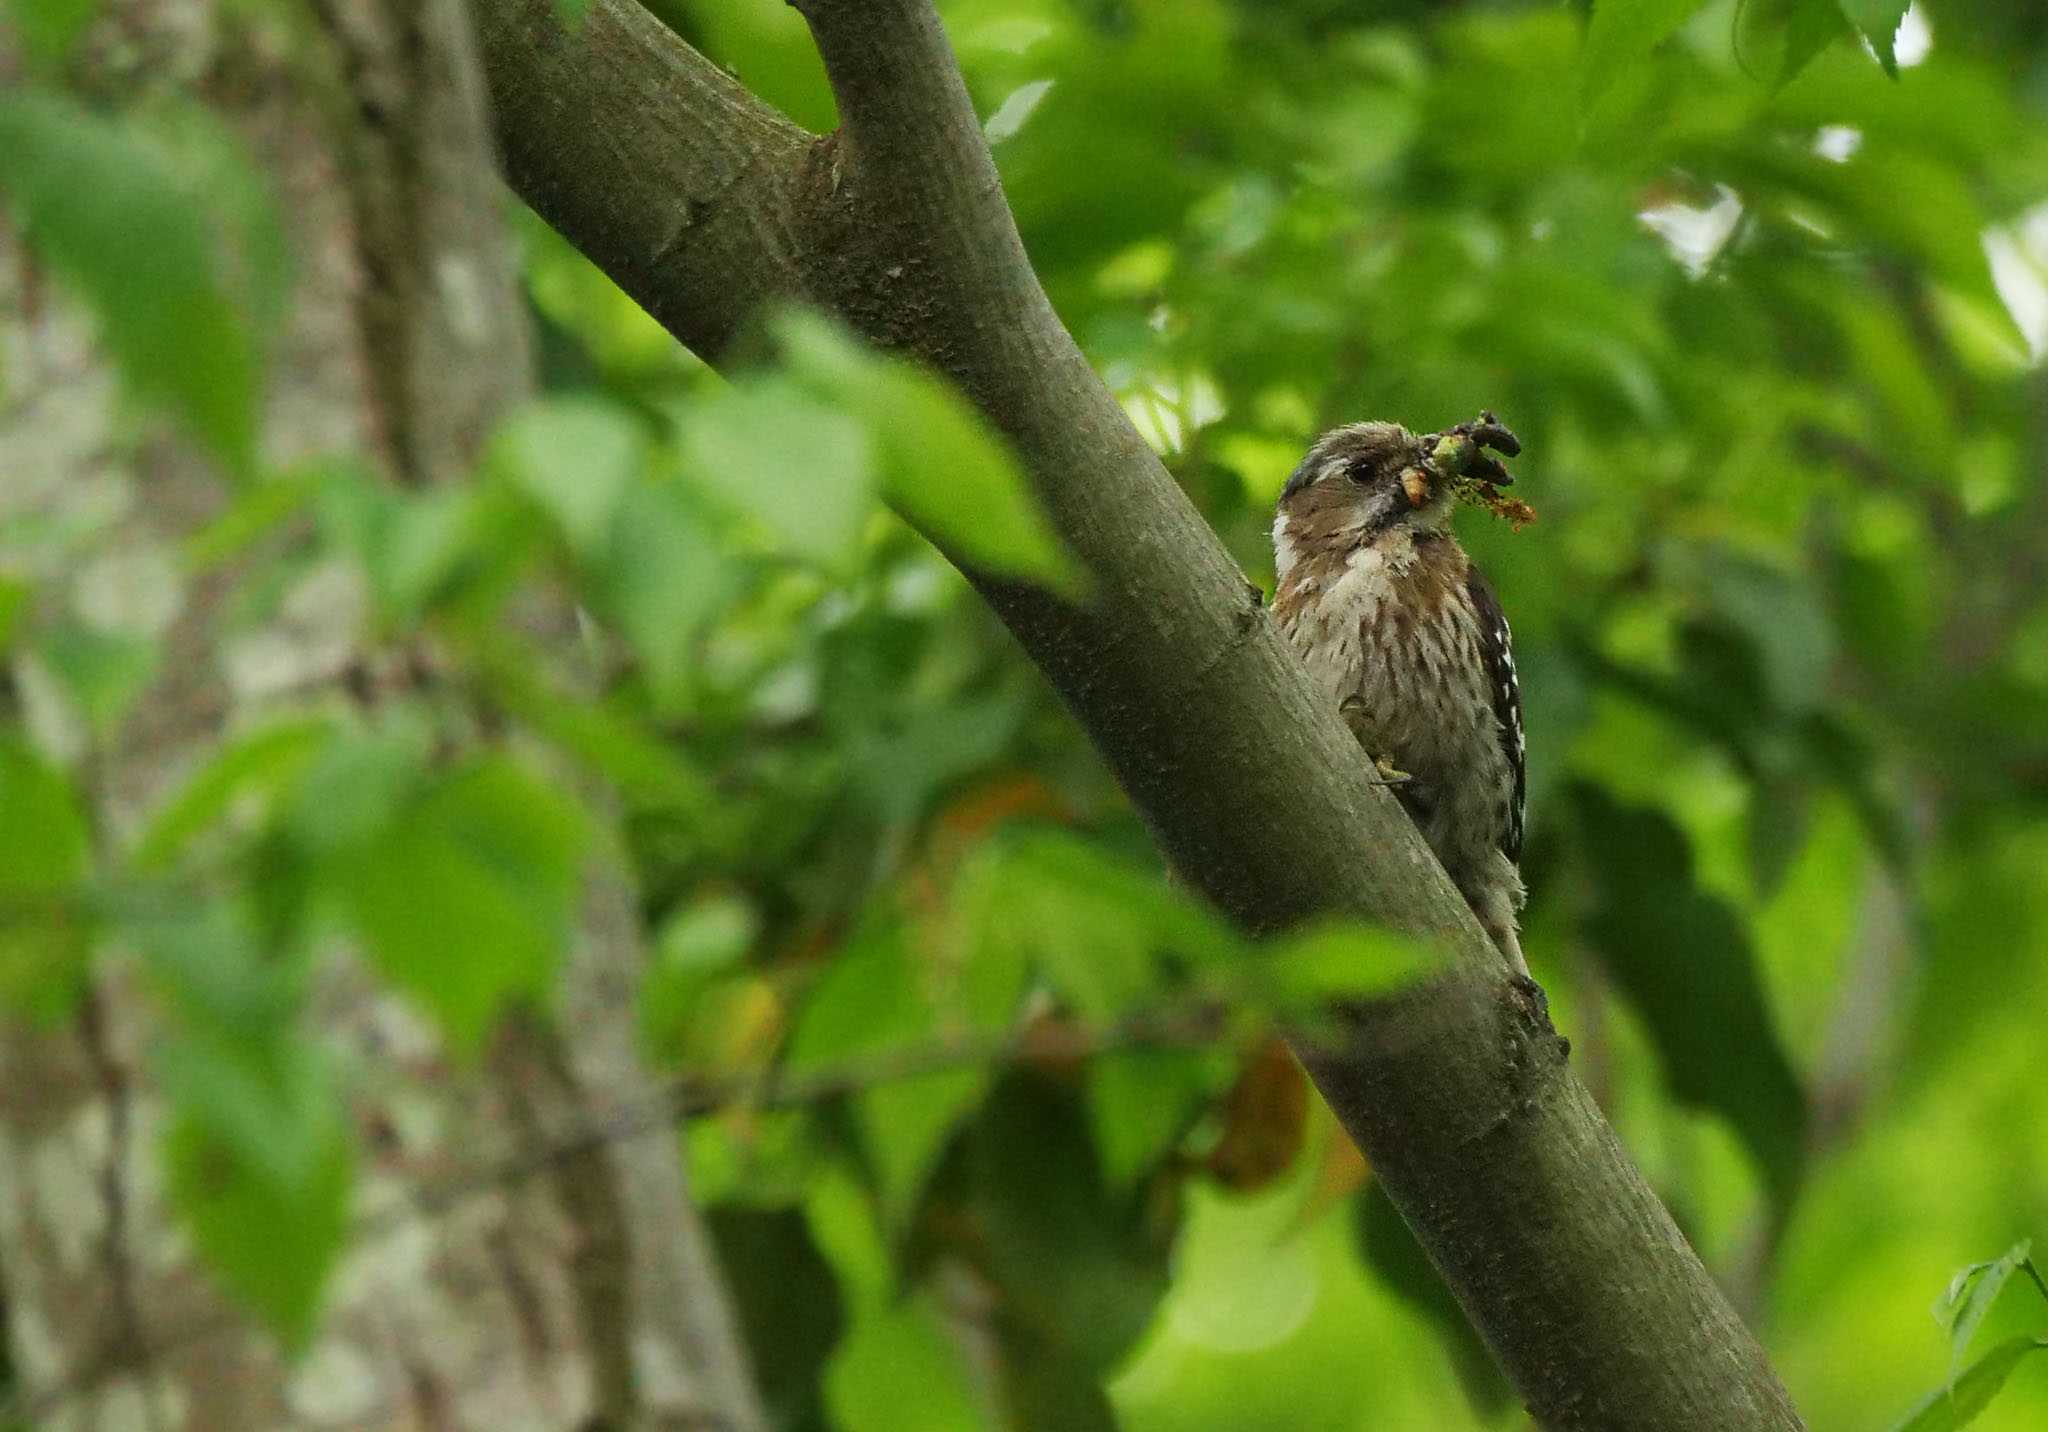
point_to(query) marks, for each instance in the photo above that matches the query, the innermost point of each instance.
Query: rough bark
(586, 1298)
(703, 203)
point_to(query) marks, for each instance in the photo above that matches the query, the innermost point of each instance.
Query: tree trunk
(584, 1297)
(703, 203)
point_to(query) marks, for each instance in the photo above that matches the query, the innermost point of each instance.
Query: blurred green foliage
(1770, 324)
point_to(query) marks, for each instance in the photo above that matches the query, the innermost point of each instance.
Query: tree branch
(630, 133)
(1496, 1155)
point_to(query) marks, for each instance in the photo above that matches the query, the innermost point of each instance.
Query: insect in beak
(1415, 482)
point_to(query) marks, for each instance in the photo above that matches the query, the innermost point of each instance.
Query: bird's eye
(1360, 472)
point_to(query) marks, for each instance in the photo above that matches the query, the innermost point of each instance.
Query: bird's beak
(1415, 482)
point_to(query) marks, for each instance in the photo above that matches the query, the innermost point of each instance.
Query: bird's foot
(1390, 774)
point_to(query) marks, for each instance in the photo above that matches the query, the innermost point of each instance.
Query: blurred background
(1767, 305)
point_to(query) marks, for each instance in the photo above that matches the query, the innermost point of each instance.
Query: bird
(1403, 634)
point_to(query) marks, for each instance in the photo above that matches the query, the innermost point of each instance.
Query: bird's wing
(1497, 651)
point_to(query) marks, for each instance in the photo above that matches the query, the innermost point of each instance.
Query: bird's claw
(1390, 775)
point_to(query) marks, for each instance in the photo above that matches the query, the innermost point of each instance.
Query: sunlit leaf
(1957, 1405)
(1879, 22)
(803, 471)
(576, 457)
(868, 1383)
(842, 1223)
(1343, 959)
(940, 464)
(1962, 1308)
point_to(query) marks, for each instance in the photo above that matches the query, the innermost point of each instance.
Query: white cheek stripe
(1284, 551)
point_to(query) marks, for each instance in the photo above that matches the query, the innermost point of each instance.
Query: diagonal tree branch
(1559, 1252)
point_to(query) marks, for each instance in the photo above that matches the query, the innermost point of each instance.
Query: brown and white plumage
(1410, 642)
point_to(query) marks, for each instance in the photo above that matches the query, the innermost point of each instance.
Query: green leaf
(1776, 39)
(1969, 1296)
(467, 898)
(272, 1235)
(50, 28)
(45, 850)
(1142, 1102)
(425, 540)
(874, 999)
(841, 1218)
(110, 212)
(257, 1156)
(1785, 619)
(649, 771)
(804, 472)
(1948, 1408)
(260, 764)
(104, 672)
(898, 1371)
(1620, 34)
(572, 12)
(694, 947)
(14, 604)
(44, 846)
(1342, 960)
(576, 457)
(664, 579)
(1094, 925)
(942, 467)
(1879, 21)
(1069, 1252)
(354, 790)
(1683, 959)
(230, 988)
(257, 509)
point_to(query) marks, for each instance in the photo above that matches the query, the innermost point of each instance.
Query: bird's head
(1366, 479)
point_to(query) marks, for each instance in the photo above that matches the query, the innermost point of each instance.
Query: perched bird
(1409, 641)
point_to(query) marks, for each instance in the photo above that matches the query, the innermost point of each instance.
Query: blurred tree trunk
(581, 1297)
